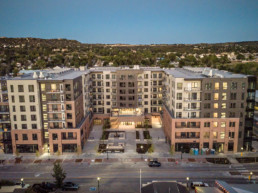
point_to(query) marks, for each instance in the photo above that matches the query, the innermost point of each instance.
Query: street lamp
(22, 183)
(242, 151)
(98, 178)
(187, 180)
(141, 151)
(107, 152)
(250, 177)
(48, 153)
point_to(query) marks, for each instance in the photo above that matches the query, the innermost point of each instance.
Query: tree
(59, 174)
(240, 57)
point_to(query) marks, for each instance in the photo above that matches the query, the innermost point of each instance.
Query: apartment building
(5, 123)
(53, 110)
(207, 108)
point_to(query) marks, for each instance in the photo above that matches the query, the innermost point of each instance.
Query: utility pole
(140, 180)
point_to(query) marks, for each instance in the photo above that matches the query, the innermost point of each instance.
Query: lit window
(45, 117)
(224, 105)
(215, 135)
(222, 135)
(44, 98)
(53, 87)
(216, 85)
(216, 105)
(223, 115)
(223, 124)
(224, 96)
(216, 96)
(44, 107)
(45, 125)
(225, 85)
(215, 115)
(215, 124)
(43, 87)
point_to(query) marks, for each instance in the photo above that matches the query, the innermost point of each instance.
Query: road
(124, 177)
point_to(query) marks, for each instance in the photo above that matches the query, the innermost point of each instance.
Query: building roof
(207, 190)
(164, 187)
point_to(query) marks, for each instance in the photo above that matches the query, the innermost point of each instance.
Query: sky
(131, 21)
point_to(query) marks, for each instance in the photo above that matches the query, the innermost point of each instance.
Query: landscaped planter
(146, 135)
(144, 149)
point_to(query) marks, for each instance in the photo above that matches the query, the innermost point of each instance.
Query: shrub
(151, 149)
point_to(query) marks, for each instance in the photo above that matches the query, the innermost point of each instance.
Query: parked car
(154, 164)
(49, 186)
(70, 186)
(199, 184)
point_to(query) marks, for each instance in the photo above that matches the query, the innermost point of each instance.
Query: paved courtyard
(161, 148)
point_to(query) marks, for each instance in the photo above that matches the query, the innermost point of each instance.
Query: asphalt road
(125, 177)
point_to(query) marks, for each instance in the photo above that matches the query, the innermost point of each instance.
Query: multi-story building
(53, 110)
(207, 108)
(5, 123)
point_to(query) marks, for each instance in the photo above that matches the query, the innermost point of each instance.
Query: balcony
(191, 89)
(54, 91)
(192, 99)
(192, 109)
(4, 120)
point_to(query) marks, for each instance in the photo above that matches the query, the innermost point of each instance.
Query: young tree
(59, 174)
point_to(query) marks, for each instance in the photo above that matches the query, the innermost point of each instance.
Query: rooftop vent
(41, 75)
(35, 75)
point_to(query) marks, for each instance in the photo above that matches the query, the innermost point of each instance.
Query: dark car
(70, 186)
(49, 186)
(154, 164)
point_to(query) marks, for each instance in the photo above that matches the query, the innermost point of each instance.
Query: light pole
(22, 183)
(242, 151)
(181, 152)
(107, 152)
(187, 180)
(48, 153)
(250, 177)
(98, 178)
(141, 151)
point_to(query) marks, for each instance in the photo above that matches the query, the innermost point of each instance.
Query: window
(45, 117)
(207, 105)
(14, 118)
(225, 85)
(222, 135)
(207, 115)
(207, 124)
(232, 105)
(232, 114)
(216, 86)
(68, 107)
(179, 96)
(215, 124)
(69, 116)
(231, 135)
(21, 99)
(53, 87)
(243, 85)
(16, 137)
(43, 87)
(34, 126)
(243, 96)
(11, 88)
(206, 135)
(44, 98)
(32, 98)
(32, 108)
(233, 96)
(224, 105)
(216, 105)
(22, 108)
(33, 117)
(179, 105)
(179, 114)
(31, 88)
(208, 86)
(24, 126)
(215, 135)
(13, 99)
(223, 124)
(20, 88)
(54, 136)
(207, 96)
(223, 115)
(216, 96)
(232, 124)
(179, 86)
(215, 115)
(224, 96)
(233, 85)
(14, 109)
(240, 134)
(23, 117)
(34, 137)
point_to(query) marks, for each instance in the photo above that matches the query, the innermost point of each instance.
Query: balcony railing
(192, 89)
(192, 99)
(55, 91)
(192, 109)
